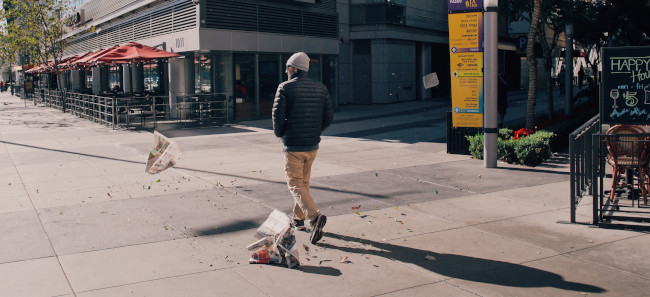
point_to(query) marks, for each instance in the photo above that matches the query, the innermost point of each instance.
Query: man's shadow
(464, 267)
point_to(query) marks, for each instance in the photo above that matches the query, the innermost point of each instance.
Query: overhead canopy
(134, 51)
(91, 58)
(41, 68)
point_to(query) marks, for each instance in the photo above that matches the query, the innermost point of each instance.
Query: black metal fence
(581, 159)
(456, 141)
(138, 111)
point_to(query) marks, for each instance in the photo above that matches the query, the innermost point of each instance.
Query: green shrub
(534, 149)
(505, 133)
(475, 145)
(530, 150)
(506, 150)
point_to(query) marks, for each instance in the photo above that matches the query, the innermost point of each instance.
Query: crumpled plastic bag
(162, 155)
(277, 242)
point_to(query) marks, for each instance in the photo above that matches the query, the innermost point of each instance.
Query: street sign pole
(490, 74)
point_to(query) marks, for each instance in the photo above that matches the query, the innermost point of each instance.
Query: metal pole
(568, 77)
(490, 64)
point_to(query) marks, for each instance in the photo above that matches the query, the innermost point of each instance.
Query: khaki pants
(298, 169)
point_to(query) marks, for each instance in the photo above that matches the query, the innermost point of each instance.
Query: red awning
(91, 58)
(41, 68)
(134, 51)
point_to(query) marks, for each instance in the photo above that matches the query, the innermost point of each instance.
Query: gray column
(126, 79)
(77, 79)
(105, 70)
(181, 81)
(137, 78)
(490, 63)
(97, 80)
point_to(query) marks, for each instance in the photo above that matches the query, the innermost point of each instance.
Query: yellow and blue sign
(466, 62)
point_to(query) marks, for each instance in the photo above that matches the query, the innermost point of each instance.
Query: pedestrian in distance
(301, 111)
(2, 86)
(502, 103)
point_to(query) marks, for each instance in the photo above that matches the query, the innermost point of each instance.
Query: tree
(37, 28)
(603, 24)
(532, 64)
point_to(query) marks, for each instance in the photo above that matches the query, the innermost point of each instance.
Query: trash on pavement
(277, 242)
(162, 155)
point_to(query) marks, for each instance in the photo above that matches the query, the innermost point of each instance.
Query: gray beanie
(299, 60)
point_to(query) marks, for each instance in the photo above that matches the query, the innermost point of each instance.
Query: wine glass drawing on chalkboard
(614, 94)
(646, 89)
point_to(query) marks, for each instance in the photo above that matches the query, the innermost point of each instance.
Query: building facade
(364, 51)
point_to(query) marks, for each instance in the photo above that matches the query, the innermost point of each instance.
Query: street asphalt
(80, 217)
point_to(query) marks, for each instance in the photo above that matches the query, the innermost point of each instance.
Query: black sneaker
(317, 228)
(299, 225)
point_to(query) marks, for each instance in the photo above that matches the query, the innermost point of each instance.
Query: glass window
(89, 79)
(269, 68)
(203, 75)
(151, 77)
(244, 65)
(330, 63)
(115, 78)
(376, 14)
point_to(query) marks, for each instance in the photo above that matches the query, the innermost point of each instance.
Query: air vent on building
(315, 20)
(150, 23)
(362, 47)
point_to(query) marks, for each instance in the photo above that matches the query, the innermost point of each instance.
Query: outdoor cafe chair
(628, 152)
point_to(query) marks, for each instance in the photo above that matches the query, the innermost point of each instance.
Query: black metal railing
(457, 143)
(137, 111)
(581, 159)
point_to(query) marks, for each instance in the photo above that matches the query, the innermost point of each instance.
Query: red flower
(522, 132)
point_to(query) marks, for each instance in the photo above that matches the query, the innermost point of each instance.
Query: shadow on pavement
(232, 227)
(531, 169)
(323, 270)
(464, 267)
(195, 170)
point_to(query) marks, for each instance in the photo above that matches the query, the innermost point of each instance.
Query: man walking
(301, 111)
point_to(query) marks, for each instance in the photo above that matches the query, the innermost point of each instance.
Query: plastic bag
(162, 155)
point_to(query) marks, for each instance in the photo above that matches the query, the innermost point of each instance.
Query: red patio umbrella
(134, 51)
(91, 58)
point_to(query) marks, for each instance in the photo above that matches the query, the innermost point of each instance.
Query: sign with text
(625, 92)
(466, 32)
(466, 67)
(464, 5)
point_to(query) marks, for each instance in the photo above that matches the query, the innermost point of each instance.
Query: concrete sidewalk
(80, 217)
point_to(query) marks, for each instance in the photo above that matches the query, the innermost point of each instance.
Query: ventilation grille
(97, 9)
(316, 21)
(170, 19)
(362, 47)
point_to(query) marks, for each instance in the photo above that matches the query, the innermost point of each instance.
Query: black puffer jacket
(301, 111)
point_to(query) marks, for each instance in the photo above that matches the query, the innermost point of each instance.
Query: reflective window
(203, 74)
(151, 77)
(244, 65)
(115, 78)
(89, 79)
(269, 68)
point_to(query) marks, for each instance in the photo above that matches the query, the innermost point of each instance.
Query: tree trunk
(532, 65)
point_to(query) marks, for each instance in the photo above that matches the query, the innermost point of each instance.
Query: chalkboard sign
(625, 88)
